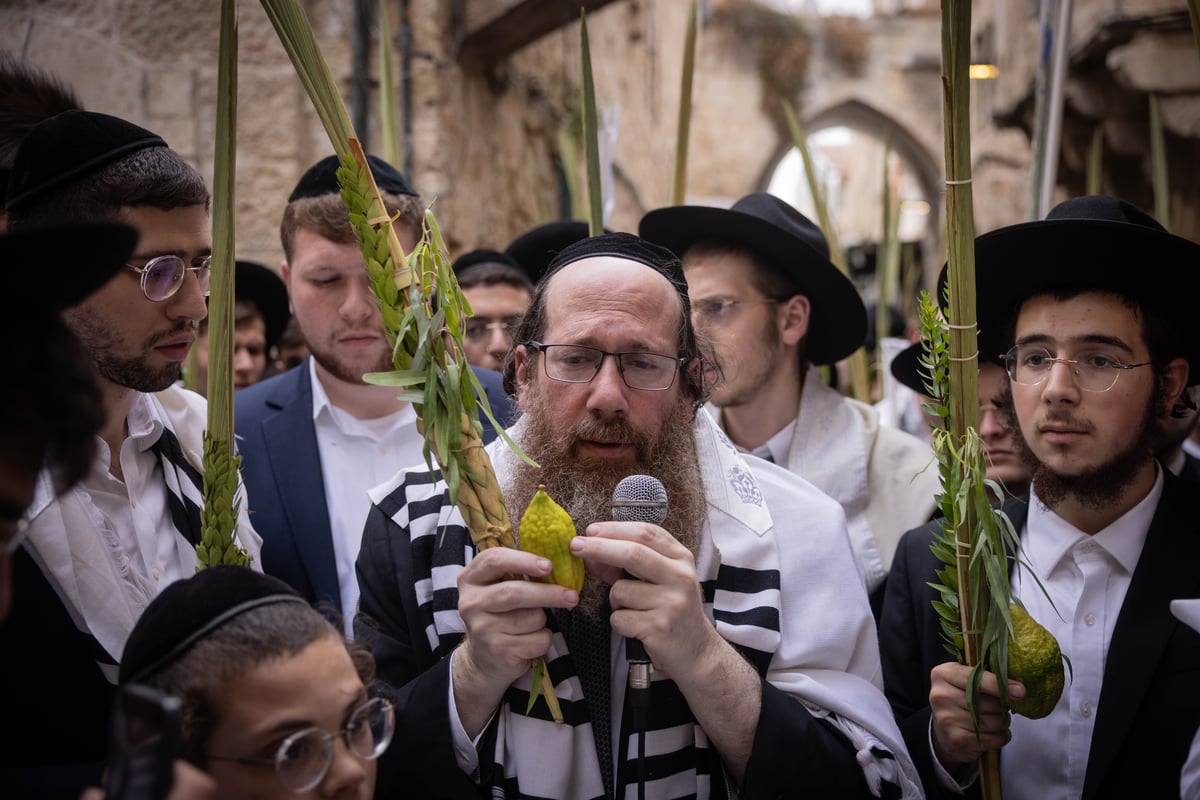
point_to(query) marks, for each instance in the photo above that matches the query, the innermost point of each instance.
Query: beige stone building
(489, 101)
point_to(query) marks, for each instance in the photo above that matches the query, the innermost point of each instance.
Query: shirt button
(156, 574)
(1089, 619)
(1085, 710)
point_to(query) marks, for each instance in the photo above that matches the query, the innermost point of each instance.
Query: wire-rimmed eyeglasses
(163, 275)
(1092, 370)
(576, 363)
(302, 759)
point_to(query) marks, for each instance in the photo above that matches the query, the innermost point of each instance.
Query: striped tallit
(778, 594)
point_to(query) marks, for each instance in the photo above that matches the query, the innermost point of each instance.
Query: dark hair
(55, 415)
(490, 273)
(199, 678)
(326, 216)
(153, 176)
(533, 327)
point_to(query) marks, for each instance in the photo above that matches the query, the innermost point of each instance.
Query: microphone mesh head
(640, 498)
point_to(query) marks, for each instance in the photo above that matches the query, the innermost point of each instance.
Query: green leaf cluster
(974, 604)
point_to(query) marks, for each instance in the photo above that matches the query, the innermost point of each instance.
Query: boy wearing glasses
(1098, 353)
(316, 438)
(775, 308)
(100, 551)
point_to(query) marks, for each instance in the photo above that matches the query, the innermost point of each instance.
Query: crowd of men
(785, 601)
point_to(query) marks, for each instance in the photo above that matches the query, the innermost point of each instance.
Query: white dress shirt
(357, 454)
(1086, 578)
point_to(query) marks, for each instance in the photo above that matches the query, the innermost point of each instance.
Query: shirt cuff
(944, 778)
(466, 750)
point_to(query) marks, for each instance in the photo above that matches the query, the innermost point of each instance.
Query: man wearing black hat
(1097, 353)
(755, 623)
(260, 314)
(107, 546)
(766, 294)
(499, 291)
(316, 438)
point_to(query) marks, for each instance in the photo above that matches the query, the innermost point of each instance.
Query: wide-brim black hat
(1087, 243)
(57, 267)
(189, 610)
(537, 247)
(907, 369)
(263, 286)
(69, 146)
(785, 241)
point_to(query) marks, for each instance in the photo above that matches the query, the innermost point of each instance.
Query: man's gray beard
(1097, 488)
(584, 487)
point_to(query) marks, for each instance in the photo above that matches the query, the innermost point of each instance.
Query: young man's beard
(584, 486)
(1096, 488)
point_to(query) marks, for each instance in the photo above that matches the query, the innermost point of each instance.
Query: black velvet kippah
(190, 609)
(69, 146)
(628, 247)
(321, 179)
(470, 259)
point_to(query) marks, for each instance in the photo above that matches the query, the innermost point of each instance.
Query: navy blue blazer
(285, 488)
(1149, 708)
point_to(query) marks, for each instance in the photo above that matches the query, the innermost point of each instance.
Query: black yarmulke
(628, 247)
(190, 609)
(474, 257)
(321, 179)
(69, 146)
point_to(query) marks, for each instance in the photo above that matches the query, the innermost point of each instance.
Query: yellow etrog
(547, 529)
(1035, 660)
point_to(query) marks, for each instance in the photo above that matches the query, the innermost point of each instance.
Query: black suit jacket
(285, 488)
(1149, 706)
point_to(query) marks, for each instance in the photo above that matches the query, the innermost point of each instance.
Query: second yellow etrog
(547, 529)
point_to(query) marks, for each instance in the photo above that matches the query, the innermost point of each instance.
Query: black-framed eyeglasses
(163, 275)
(576, 363)
(1092, 370)
(479, 329)
(302, 759)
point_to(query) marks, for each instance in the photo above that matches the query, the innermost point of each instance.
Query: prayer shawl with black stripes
(810, 633)
(80, 554)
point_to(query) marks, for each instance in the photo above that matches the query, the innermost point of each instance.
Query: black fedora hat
(907, 369)
(786, 241)
(56, 267)
(536, 248)
(1095, 243)
(262, 286)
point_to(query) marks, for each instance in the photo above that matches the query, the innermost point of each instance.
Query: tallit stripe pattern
(185, 485)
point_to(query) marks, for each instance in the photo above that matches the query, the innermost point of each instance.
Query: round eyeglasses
(576, 363)
(717, 312)
(1092, 371)
(302, 759)
(162, 276)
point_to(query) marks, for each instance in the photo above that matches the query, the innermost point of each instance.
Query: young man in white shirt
(316, 438)
(1097, 356)
(97, 554)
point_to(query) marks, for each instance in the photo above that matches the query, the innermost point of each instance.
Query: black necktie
(589, 640)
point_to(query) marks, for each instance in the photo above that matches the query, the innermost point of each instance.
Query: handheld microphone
(639, 498)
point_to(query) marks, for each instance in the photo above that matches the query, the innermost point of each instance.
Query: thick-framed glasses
(162, 276)
(576, 363)
(715, 312)
(479, 329)
(302, 759)
(1092, 370)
